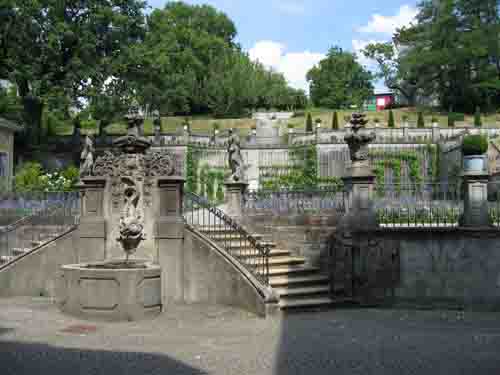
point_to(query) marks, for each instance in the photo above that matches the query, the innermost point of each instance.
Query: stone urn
(475, 163)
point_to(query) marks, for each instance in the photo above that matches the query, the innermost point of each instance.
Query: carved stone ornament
(152, 164)
(358, 142)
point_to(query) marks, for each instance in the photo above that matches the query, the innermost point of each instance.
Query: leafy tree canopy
(339, 81)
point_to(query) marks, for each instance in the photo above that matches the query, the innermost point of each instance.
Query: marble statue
(87, 157)
(358, 141)
(234, 157)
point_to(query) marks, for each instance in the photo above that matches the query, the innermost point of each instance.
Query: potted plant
(474, 148)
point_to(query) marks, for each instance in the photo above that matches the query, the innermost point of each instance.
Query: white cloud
(293, 65)
(290, 7)
(388, 24)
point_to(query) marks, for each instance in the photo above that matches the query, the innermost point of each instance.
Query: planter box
(475, 163)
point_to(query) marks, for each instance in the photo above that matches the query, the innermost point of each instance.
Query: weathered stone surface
(111, 294)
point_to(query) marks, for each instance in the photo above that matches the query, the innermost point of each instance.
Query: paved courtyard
(36, 339)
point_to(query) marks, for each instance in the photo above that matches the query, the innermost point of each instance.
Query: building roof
(6, 124)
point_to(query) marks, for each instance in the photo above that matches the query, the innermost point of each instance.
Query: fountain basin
(111, 291)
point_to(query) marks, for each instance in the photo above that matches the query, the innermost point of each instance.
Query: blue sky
(291, 36)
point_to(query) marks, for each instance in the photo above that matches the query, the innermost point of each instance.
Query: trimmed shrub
(477, 118)
(451, 120)
(420, 121)
(474, 145)
(391, 122)
(335, 121)
(309, 123)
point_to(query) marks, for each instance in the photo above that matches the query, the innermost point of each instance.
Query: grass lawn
(205, 124)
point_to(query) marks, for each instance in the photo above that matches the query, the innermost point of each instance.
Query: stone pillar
(92, 228)
(234, 194)
(435, 132)
(170, 238)
(406, 131)
(359, 183)
(476, 199)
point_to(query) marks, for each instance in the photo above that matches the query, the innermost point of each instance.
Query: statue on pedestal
(234, 157)
(87, 157)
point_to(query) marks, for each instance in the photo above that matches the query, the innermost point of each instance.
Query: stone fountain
(119, 211)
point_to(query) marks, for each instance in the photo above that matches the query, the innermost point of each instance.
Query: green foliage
(477, 118)
(301, 174)
(56, 52)
(309, 123)
(31, 177)
(451, 120)
(335, 121)
(474, 145)
(420, 121)
(339, 81)
(390, 122)
(191, 170)
(451, 52)
(27, 177)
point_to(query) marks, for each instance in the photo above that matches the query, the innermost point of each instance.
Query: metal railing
(418, 205)
(37, 229)
(315, 201)
(252, 254)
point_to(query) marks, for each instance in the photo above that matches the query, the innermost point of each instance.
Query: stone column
(406, 131)
(359, 183)
(234, 194)
(170, 238)
(476, 199)
(435, 132)
(92, 228)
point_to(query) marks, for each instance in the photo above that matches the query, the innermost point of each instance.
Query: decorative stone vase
(475, 163)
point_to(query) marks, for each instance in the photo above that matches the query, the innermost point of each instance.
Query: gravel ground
(36, 339)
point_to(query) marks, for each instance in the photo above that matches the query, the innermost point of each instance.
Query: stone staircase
(24, 240)
(298, 285)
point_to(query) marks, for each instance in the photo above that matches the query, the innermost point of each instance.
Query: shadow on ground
(386, 342)
(24, 359)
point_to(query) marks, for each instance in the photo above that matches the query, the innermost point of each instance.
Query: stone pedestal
(234, 194)
(475, 199)
(359, 184)
(92, 228)
(169, 238)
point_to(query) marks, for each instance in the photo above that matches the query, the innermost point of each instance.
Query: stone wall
(452, 267)
(303, 234)
(37, 272)
(212, 277)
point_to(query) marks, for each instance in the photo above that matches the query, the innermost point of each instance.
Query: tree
(339, 81)
(55, 51)
(391, 123)
(309, 123)
(420, 121)
(453, 51)
(393, 69)
(477, 118)
(335, 121)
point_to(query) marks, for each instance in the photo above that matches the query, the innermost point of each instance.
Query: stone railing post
(406, 132)
(169, 238)
(234, 193)
(359, 183)
(435, 132)
(92, 228)
(475, 199)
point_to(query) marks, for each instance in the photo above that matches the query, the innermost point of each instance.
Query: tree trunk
(33, 109)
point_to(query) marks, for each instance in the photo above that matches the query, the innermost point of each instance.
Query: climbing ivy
(192, 155)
